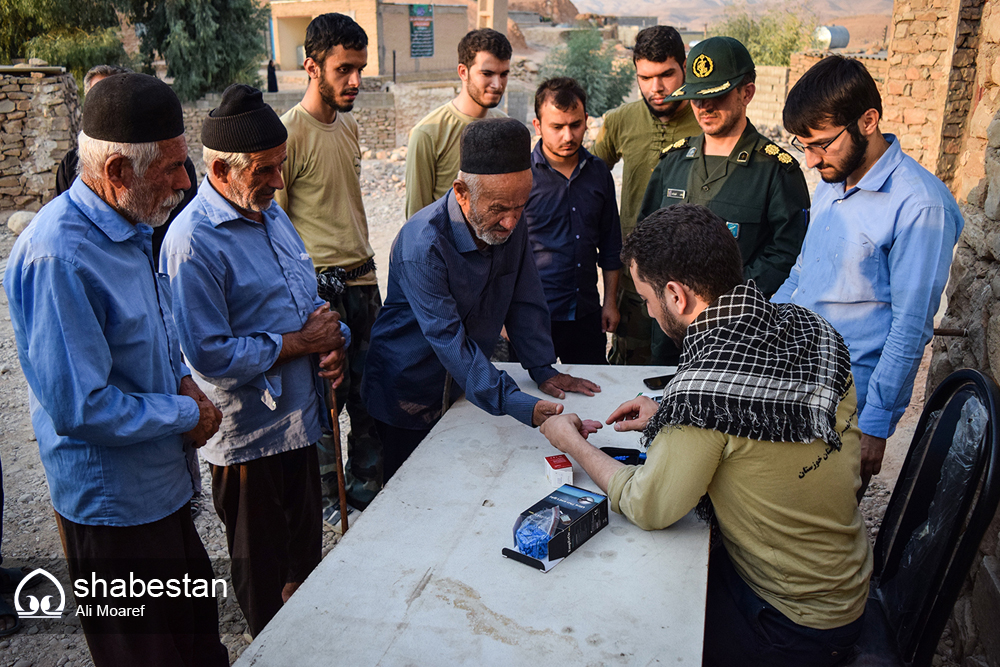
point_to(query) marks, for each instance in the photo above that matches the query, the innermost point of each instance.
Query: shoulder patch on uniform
(677, 145)
(774, 151)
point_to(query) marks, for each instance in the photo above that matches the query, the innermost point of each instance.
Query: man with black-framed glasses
(878, 251)
(753, 185)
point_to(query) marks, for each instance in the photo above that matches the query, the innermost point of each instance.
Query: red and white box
(558, 470)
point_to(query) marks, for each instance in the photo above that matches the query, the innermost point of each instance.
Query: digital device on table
(658, 382)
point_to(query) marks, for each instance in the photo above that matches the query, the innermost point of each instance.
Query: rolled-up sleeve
(70, 364)
(208, 342)
(426, 285)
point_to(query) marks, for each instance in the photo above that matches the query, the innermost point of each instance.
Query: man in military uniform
(636, 133)
(745, 179)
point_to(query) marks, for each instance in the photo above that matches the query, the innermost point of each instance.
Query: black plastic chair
(944, 501)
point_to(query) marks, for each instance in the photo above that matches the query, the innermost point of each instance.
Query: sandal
(7, 610)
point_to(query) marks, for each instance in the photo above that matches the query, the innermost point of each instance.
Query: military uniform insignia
(691, 152)
(717, 89)
(680, 143)
(743, 157)
(703, 66)
(771, 149)
(676, 194)
(785, 158)
(734, 229)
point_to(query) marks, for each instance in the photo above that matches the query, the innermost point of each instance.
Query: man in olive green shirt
(756, 187)
(432, 155)
(322, 197)
(761, 418)
(636, 133)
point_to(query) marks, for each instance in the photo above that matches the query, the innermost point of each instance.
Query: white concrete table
(419, 579)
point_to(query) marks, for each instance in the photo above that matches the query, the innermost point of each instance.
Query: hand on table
(633, 415)
(558, 385)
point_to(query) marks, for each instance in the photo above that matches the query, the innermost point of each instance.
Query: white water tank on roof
(831, 37)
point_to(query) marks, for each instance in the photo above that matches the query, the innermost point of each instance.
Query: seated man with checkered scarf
(758, 429)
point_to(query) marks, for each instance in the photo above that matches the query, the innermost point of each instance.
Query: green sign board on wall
(421, 31)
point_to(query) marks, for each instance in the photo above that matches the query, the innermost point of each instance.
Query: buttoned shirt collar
(538, 159)
(874, 180)
(746, 144)
(104, 216)
(218, 209)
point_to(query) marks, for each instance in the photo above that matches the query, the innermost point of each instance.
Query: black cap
(495, 146)
(132, 109)
(714, 67)
(242, 123)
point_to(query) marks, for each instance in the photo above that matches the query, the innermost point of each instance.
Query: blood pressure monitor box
(556, 526)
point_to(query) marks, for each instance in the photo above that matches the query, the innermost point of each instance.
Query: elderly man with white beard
(111, 402)
(252, 326)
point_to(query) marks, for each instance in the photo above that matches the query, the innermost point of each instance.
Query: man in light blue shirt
(252, 326)
(879, 246)
(111, 402)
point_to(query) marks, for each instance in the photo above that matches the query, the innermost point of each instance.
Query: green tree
(586, 58)
(24, 22)
(78, 50)
(207, 44)
(771, 32)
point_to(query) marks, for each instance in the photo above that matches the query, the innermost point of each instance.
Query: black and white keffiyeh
(750, 368)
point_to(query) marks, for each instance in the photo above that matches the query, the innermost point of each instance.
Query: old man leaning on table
(459, 271)
(760, 421)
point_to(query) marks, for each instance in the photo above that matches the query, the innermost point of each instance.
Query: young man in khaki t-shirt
(432, 155)
(322, 196)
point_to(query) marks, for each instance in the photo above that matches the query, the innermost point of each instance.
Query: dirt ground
(29, 529)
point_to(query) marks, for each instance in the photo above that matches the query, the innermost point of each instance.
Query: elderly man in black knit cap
(111, 403)
(460, 270)
(252, 326)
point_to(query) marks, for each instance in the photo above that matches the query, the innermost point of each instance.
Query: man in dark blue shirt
(459, 271)
(572, 220)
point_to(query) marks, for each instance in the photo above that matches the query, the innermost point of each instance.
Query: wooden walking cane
(338, 458)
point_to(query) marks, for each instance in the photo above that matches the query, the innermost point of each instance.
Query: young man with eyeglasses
(732, 170)
(879, 247)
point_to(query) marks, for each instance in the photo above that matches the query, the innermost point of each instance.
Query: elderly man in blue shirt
(252, 326)
(459, 271)
(879, 246)
(111, 402)
(573, 225)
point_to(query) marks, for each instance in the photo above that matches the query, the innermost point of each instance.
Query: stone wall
(973, 306)
(374, 112)
(39, 121)
(980, 83)
(929, 90)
